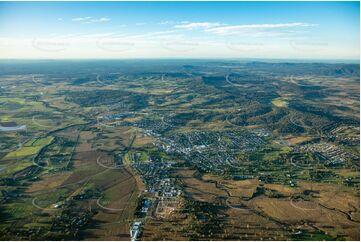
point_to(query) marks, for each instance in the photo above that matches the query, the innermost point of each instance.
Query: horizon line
(355, 61)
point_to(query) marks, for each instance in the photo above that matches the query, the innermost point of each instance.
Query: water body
(14, 128)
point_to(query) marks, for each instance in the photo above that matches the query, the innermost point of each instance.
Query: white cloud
(97, 20)
(196, 25)
(152, 35)
(89, 20)
(166, 22)
(60, 19)
(80, 19)
(140, 24)
(254, 28)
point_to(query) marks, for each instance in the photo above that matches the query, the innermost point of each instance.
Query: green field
(280, 102)
(30, 148)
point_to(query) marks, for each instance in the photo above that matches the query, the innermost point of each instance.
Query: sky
(117, 30)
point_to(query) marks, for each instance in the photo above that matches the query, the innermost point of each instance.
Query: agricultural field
(184, 150)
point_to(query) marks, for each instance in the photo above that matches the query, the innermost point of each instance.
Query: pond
(13, 128)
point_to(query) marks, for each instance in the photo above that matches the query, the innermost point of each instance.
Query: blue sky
(305, 30)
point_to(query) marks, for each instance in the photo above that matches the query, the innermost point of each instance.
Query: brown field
(165, 208)
(295, 213)
(119, 190)
(114, 138)
(173, 227)
(254, 226)
(335, 209)
(115, 207)
(114, 218)
(142, 140)
(348, 172)
(198, 189)
(132, 119)
(298, 139)
(48, 182)
(244, 188)
(171, 230)
(335, 197)
(285, 190)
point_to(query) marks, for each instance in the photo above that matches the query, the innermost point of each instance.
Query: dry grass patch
(198, 189)
(298, 139)
(243, 188)
(48, 182)
(143, 140)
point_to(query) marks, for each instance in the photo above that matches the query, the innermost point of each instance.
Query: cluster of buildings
(154, 126)
(346, 134)
(136, 227)
(159, 186)
(262, 132)
(203, 141)
(155, 175)
(113, 118)
(333, 154)
(166, 189)
(136, 230)
(211, 150)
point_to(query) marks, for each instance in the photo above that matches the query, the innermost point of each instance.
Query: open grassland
(117, 190)
(221, 150)
(280, 102)
(277, 210)
(198, 189)
(30, 148)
